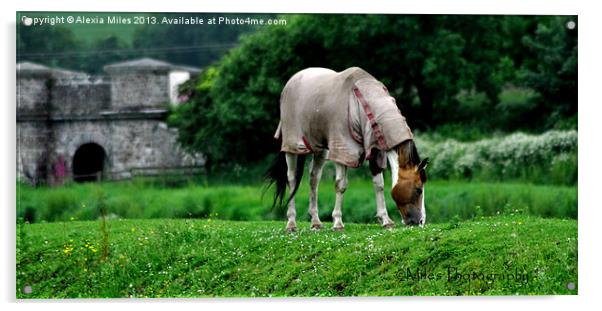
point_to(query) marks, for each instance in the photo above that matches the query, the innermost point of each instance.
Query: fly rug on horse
(346, 117)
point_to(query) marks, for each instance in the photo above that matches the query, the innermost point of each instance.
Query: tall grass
(446, 200)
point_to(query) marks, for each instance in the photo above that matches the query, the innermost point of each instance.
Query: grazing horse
(345, 117)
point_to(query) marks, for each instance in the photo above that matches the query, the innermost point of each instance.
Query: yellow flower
(67, 249)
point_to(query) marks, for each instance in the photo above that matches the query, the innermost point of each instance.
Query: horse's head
(408, 193)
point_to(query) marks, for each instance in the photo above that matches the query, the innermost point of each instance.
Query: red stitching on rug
(306, 143)
(380, 138)
(355, 137)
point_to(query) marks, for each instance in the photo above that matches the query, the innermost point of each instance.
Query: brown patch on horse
(408, 188)
(411, 178)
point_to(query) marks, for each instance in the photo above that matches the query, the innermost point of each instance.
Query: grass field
(500, 255)
(446, 201)
(211, 237)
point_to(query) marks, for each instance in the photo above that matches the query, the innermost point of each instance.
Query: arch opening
(88, 163)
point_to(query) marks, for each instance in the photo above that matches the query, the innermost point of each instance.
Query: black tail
(277, 174)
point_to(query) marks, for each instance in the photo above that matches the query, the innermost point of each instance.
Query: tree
(45, 44)
(426, 61)
(552, 70)
(195, 45)
(105, 51)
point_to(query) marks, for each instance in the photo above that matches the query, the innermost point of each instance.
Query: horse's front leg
(381, 209)
(315, 173)
(291, 214)
(340, 187)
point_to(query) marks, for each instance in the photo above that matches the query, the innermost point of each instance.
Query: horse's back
(318, 109)
(312, 102)
(308, 83)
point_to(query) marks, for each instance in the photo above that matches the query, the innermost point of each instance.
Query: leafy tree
(196, 45)
(425, 61)
(45, 44)
(58, 47)
(197, 110)
(105, 51)
(552, 70)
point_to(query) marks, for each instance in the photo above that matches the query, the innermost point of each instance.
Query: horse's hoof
(316, 226)
(338, 228)
(291, 229)
(389, 226)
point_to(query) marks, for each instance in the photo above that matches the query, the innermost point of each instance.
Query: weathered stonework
(60, 113)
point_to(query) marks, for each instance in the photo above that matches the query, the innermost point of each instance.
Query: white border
(589, 141)
(554, 7)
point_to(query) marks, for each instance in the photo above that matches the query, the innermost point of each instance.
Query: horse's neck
(393, 158)
(397, 162)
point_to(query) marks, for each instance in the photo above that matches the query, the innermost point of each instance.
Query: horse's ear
(423, 164)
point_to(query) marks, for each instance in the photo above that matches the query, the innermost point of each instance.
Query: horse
(346, 117)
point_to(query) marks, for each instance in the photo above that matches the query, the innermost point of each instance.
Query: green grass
(446, 200)
(200, 258)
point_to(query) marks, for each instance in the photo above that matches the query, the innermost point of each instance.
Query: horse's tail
(277, 174)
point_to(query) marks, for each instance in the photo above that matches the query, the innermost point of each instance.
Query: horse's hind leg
(315, 173)
(291, 214)
(340, 187)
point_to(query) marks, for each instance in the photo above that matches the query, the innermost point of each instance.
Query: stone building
(71, 125)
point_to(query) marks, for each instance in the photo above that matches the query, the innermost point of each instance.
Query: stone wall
(146, 145)
(84, 98)
(32, 94)
(124, 113)
(32, 151)
(139, 90)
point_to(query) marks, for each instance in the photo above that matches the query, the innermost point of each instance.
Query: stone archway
(89, 162)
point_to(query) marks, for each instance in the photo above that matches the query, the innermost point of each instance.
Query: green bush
(516, 101)
(547, 158)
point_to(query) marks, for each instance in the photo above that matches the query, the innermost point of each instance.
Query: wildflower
(67, 249)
